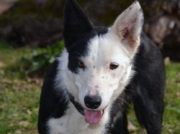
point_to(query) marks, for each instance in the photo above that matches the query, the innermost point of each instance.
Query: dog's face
(99, 59)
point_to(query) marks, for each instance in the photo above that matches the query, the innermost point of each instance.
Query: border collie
(99, 70)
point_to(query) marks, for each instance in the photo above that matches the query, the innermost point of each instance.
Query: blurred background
(31, 38)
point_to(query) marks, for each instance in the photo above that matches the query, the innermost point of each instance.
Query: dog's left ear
(128, 26)
(76, 24)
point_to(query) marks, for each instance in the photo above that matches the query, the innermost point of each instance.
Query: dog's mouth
(93, 117)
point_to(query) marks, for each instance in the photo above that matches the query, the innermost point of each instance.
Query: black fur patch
(80, 48)
(78, 30)
(52, 103)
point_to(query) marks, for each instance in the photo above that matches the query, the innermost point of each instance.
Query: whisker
(79, 53)
(124, 101)
(131, 90)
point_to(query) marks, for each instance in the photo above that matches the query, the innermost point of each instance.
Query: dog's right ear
(128, 27)
(76, 24)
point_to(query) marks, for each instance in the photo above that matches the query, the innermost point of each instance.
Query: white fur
(65, 78)
(102, 52)
(131, 21)
(130, 18)
(74, 123)
(97, 76)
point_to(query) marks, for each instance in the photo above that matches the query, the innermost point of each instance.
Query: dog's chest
(74, 123)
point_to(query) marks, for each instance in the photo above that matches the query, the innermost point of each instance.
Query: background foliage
(40, 59)
(39, 23)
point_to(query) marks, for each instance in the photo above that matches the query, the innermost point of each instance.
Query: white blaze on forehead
(106, 49)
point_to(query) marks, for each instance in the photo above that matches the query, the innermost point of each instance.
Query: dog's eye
(113, 66)
(81, 64)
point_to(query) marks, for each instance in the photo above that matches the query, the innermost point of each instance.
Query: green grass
(172, 100)
(19, 95)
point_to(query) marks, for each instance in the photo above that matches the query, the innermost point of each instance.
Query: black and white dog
(99, 69)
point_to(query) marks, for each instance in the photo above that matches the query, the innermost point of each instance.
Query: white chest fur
(74, 123)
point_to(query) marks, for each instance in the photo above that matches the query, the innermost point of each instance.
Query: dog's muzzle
(91, 116)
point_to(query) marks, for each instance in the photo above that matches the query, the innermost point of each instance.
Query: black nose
(92, 102)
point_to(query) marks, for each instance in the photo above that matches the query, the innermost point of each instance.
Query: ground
(19, 96)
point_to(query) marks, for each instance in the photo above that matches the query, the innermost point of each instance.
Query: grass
(19, 96)
(172, 99)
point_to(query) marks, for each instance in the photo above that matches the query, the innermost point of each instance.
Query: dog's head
(100, 59)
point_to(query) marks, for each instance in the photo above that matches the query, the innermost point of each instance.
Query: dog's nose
(92, 102)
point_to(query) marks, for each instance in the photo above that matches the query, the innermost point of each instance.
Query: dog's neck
(78, 106)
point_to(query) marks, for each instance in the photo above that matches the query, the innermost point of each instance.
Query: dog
(100, 70)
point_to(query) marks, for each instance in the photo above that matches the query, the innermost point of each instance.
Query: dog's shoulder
(53, 103)
(148, 48)
(148, 64)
